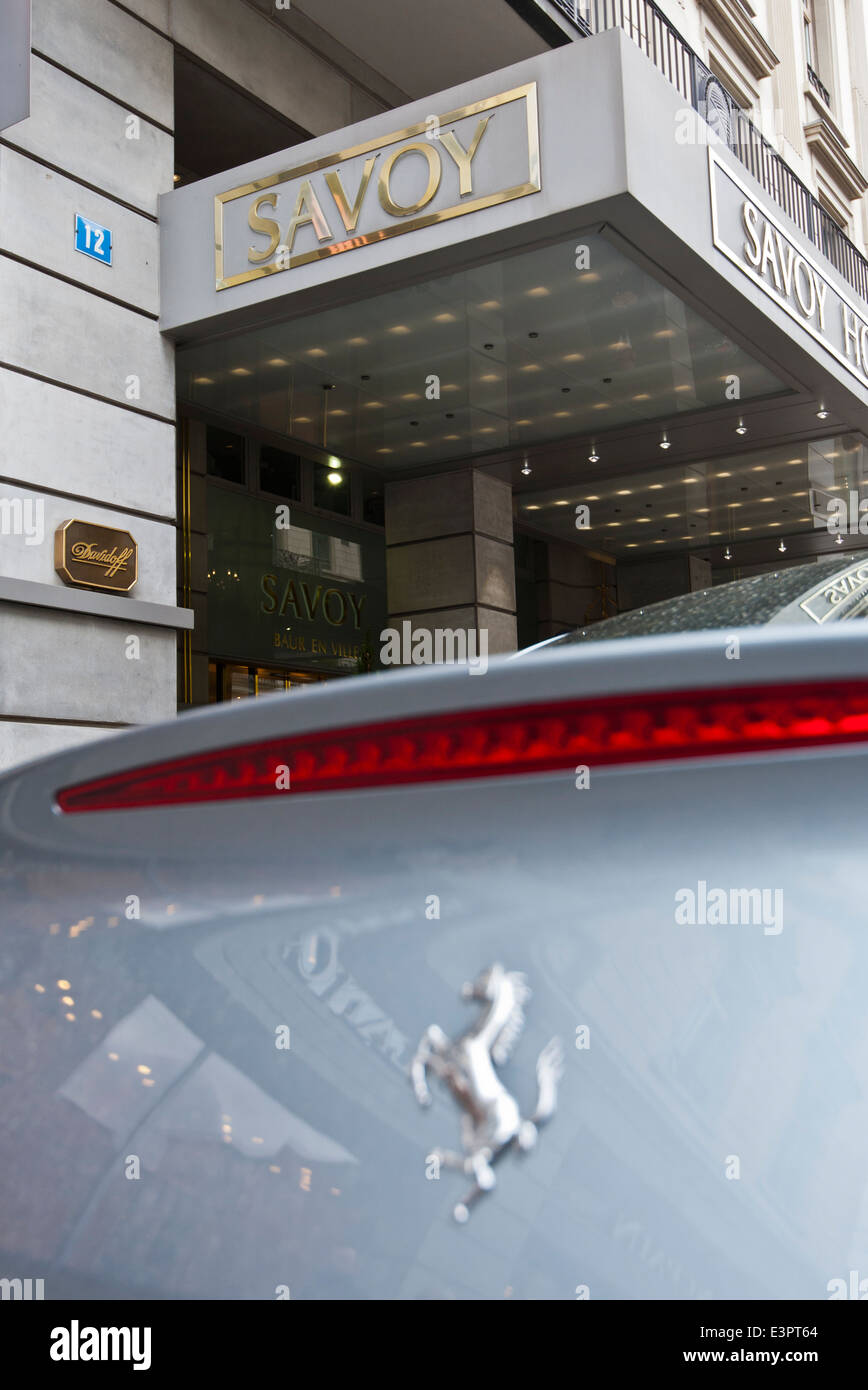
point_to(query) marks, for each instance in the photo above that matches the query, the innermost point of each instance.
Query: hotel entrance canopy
(554, 251)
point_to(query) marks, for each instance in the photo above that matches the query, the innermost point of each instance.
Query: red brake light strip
(599, 732)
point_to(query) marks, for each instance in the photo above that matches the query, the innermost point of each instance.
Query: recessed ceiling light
(600, 405)
(444, 318)
(631, 545)
(357, 342)
(490, 376)
(384, 451)
(644, 520)
(417, 444)
(733, 504)
(665, 333)
(562, 502)
(574, 357)
(373, 405)
(590, 277)
(490, 304)
(537, 292)
(529, 367)
(240, 371)
(316, 352)
(624, 492)
(452, 436)
(399, 328)
(302, 420)
(670, 516)
(684, 387)
(450, 386)
(642, 396)
(592, 497)
(562, 414)
(203, 380)
(724, 475)
(655, 487)
(665, 442)
(532, 507)
(410, 396)
(277, 362)
(524, 422)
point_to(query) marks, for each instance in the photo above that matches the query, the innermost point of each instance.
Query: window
(241, 681)
(331, 488)
(810, 33)
(373, 509)
(226, 455)
(817, 57)
(279, 473)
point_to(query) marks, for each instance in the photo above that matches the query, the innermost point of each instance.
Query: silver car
(544, 983)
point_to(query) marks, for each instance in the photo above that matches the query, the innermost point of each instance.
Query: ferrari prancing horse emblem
(491, 1122)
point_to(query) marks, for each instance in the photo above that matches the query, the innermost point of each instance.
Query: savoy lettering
(755, 241)
(308, 208)
(478, 156)
(306, 601)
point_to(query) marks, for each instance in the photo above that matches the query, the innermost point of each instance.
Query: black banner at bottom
(153, 1338)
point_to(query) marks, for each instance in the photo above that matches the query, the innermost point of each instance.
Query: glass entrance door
(228, 680)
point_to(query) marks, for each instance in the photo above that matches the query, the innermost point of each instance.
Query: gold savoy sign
(348, 208)
(96, 557)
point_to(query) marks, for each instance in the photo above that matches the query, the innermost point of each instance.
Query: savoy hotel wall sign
(443, 167)
(96, 557)
(759, 244)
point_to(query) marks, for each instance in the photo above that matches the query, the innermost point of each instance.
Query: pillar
(449, 555)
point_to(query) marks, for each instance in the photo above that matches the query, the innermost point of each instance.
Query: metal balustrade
(651, 31)
(817, 85)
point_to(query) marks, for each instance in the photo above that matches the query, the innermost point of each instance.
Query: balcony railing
(818, 86)
(649, 28)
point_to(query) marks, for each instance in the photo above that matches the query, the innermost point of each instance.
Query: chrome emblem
(491, 1122)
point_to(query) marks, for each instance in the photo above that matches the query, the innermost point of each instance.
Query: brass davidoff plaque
(443, 167)
(96, 557)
